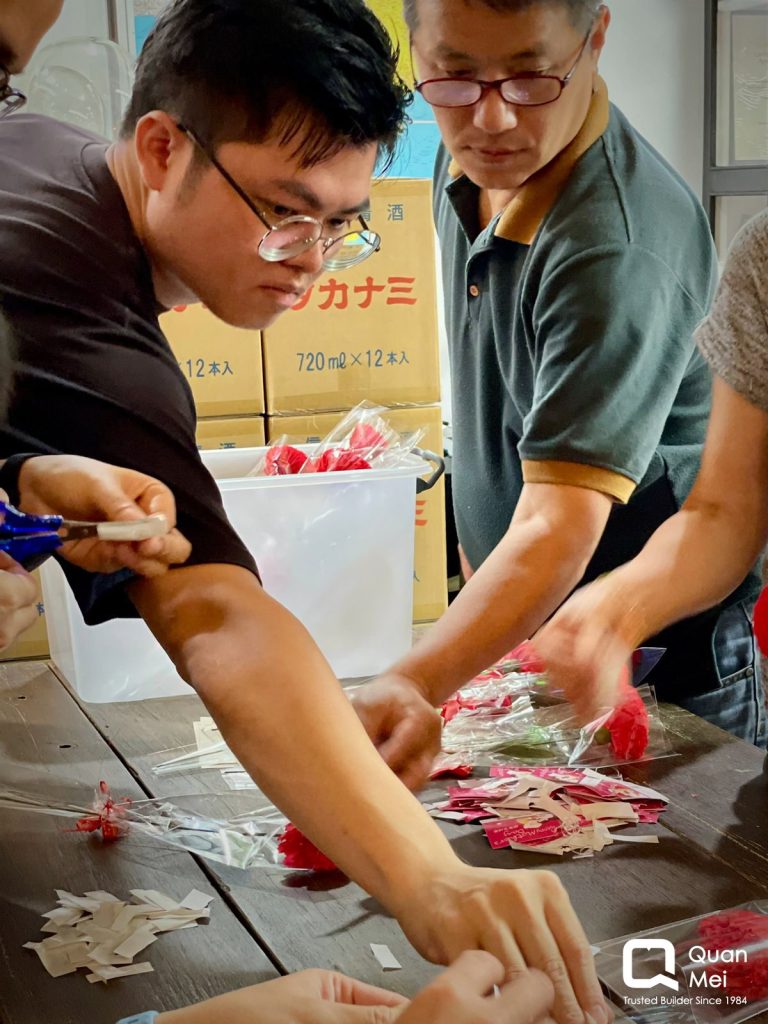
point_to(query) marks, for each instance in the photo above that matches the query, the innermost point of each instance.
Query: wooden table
(713, 854)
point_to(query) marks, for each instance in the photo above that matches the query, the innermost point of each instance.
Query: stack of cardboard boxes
(366, 334)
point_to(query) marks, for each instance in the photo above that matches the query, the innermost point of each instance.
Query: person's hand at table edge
(523, 917)
(308, 997)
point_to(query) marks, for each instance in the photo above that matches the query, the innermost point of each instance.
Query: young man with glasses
(74, 487)
(576, 266)
(243, 170)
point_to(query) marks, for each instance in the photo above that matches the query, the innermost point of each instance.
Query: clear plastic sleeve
(238, 830)
(501, 722)
(363, 439)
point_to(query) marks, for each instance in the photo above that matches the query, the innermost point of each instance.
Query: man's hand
(524, 918)
(80, 488)
(402, 724)
(464, 994)
(309, 997)
(18, 600)
(585, 648)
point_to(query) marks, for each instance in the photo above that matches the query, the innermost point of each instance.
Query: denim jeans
(737, 702)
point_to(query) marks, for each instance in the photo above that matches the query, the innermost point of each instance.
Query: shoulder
(623, 195)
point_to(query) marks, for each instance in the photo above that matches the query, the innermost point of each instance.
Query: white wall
(653, 63)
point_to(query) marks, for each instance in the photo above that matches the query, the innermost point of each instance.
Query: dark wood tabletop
(712, 854)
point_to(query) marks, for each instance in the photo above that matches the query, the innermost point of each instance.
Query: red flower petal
(283, 460)
(366, 438)
(299, 852)
(629, 724)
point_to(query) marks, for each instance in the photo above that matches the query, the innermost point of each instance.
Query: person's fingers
(415, 735)
(504, 946)
(14, 623)
(475, 971)
(9, 564)
(416, 775)
(18, 588)
(350, 991)
(579, 960)
(530, 998)
(157, 499)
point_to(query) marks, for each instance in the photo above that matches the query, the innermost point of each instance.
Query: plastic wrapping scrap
(552, 810)
(251, 838)
(363, 439)
(495, 723)
(711, 969)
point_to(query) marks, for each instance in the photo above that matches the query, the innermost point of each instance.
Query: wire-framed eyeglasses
(293, 235)
(524, 90)
(10, 99)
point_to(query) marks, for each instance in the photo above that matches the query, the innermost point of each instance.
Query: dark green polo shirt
(572, 352)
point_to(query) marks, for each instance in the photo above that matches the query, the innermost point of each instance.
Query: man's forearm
(693, 561)
(288, 721)
(525, 579)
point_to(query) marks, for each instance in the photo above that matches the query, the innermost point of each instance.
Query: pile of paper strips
(103, 934)
(552, 810)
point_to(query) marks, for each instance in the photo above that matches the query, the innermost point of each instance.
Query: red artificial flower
(335, 460)
(366, 438)
(760, 620)
(299, 852)
(629, 724)
(106, 818)
(340, 460)
(283, 460)
(738, 929)
(453, 771)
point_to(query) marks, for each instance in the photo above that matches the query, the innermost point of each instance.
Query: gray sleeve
(734, 337)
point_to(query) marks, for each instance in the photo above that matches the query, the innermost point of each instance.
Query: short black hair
(582, 12)
(316, 74)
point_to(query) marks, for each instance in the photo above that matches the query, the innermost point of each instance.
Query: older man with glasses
(576, 266)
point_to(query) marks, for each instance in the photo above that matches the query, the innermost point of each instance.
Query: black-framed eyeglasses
(524, 90)
(291, 236)
(10, 99)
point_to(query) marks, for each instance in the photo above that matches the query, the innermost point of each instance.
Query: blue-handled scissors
(30, 539)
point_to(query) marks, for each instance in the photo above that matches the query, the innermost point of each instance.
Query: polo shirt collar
(523, 215)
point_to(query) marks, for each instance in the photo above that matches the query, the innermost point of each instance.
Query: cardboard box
(231, 432)
(430, 585)
(222, 364)
(369, 332)
(33, 643)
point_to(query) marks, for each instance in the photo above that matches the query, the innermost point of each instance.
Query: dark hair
(581, 11)
(318, 74)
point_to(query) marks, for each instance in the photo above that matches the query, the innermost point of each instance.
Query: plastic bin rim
(413, 468)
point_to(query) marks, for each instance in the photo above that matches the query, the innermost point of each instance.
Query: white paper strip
(387, 960)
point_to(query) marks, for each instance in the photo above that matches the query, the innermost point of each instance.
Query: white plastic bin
(334, 548)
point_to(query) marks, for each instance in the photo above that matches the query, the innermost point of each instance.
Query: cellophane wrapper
(509, 725)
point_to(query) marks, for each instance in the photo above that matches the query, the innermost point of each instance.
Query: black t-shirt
(94, 374)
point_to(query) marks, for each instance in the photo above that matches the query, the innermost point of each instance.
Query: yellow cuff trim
(577, 474)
